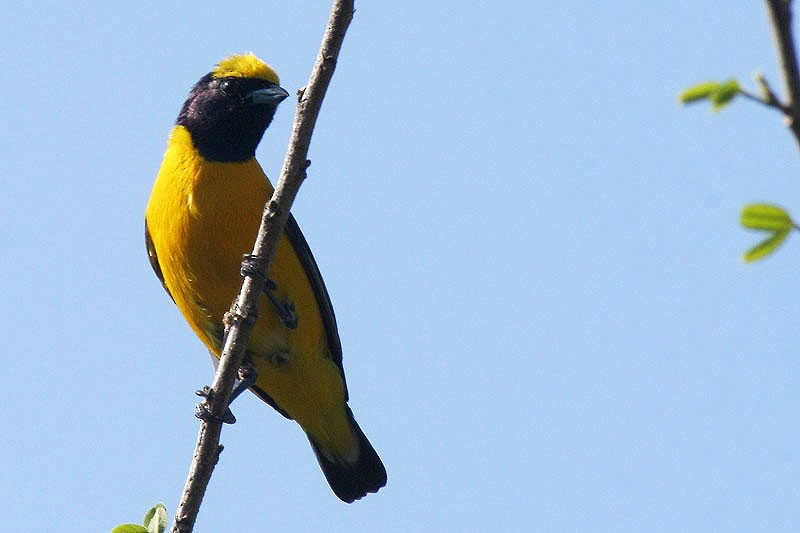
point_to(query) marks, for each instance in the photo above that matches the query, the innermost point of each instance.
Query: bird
(202, 217)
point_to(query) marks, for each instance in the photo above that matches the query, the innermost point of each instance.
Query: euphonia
(203, 216)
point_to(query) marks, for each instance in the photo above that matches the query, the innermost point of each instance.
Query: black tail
(352, 480)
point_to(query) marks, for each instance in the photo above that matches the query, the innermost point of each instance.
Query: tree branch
(276, 213)
(780, 14)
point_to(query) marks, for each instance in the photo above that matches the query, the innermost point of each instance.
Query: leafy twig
(767, 96)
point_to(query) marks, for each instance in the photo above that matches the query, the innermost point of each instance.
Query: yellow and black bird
(203, 215)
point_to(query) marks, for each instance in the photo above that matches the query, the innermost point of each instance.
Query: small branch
(276, 213)
(780, 14)
(766, 91)
(765, 101)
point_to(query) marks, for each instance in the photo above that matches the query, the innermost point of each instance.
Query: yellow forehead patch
(245, 66)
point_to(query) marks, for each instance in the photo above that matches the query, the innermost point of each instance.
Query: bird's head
(228, 110)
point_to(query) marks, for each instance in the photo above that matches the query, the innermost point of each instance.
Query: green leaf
(129, 528)
(155, 520)
(766, 247)
(766, 217)
(698, 92)
(723, 94)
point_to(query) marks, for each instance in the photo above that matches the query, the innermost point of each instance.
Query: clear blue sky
(532, 251)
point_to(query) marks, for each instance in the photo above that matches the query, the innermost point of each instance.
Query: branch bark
(780, 14)
(276, 213)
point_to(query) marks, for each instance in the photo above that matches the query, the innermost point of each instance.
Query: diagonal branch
(276, 213)
(780, 14)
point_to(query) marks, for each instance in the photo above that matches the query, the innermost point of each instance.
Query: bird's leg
(284, 308)
(247, 378)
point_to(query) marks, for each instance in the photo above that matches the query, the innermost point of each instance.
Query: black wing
(303, 252)
(151, 254)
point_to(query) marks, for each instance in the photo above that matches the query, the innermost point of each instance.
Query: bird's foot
(247, 378)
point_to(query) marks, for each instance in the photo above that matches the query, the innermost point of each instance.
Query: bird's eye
(226, 86)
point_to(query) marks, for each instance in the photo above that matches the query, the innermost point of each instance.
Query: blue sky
(532, 251)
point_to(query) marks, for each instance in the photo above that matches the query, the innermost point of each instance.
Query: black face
(225, 124)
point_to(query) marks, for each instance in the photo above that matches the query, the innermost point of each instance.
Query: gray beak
(272, 95)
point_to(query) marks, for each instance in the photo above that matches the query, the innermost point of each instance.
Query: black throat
(224, 125)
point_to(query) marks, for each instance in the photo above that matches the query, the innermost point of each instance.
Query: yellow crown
(245, 66)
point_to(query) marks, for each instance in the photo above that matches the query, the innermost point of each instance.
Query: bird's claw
(204, 413)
